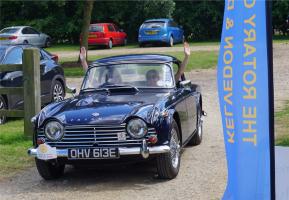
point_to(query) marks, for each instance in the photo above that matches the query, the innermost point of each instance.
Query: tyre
(3, 105)
(48, 42)
(57, 92)
(168, 164)
(198, 136)
(109, 45)
(49, 170)
(171, 42)
(141, 45)
(25, 42)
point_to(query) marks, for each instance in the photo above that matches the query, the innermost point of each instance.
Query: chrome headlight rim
(60, 126)
(144, 127)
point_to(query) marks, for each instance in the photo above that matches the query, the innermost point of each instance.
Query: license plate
(92, 36)
(151, 32)
(93, 153)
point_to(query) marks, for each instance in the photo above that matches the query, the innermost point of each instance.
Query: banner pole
(271, 96)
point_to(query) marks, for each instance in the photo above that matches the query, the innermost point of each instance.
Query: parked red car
(106, 34)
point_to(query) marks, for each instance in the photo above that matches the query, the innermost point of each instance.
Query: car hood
(103, 109)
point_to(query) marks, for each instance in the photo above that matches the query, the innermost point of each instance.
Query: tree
(280, 12)
(87, 9)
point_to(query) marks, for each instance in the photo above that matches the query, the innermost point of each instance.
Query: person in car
(152, 77)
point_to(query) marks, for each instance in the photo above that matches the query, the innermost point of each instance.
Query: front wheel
(3, 106)
(57, 91)
(168, 164)
(49, 170)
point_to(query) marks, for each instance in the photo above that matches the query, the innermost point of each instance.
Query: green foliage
(202, 20)
(280, 13)
(62, 19)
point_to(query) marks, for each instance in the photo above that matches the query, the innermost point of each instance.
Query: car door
(113, 34)
(31, 36)
(174, 30)
(191, 104)
(178, 32)
(118, 34)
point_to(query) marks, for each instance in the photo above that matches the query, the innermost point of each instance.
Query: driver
(152, 77)
(181, 69)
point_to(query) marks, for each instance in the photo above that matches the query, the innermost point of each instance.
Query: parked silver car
(24, 35)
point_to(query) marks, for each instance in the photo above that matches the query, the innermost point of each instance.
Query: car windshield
(95, 28)
(129, 75)
(153, 24)
(9, 30)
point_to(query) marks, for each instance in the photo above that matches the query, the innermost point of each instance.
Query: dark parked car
(160, 31)
(129, 107)
(52, 77)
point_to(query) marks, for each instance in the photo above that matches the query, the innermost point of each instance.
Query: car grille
(94, 136)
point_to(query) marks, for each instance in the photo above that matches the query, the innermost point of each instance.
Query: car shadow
(136, 176)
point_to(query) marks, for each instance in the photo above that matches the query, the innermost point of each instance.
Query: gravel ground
(203, 168)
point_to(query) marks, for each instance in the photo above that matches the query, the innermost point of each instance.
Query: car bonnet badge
(96, 114)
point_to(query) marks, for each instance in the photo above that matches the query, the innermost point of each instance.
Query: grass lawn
(75, 47)
(282, 126)
(198, 60)
(13, 148)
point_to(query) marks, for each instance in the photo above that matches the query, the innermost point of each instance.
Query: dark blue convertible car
(129, 107)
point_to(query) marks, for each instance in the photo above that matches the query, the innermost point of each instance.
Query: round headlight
(54, 130)
(137, 128)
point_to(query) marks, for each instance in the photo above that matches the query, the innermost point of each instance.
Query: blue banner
(243, 86)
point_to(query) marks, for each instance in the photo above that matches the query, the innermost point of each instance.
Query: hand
(82, 54)
(187, 49)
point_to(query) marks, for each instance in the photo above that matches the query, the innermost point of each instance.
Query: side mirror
(181, 27)
(121, 30)
(186, 84)
(71, 90)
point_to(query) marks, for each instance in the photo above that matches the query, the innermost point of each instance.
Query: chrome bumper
(144, 150)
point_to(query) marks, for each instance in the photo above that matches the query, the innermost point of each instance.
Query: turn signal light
(153, 139)
(40, 141)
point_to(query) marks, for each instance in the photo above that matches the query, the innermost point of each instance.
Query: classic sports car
(129, 107)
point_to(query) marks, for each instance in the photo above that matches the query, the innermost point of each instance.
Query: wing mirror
(71, 90)
(186, 84)
(121, 30)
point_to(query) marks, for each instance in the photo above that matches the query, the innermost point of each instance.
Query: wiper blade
(119, 86)
(94, 90)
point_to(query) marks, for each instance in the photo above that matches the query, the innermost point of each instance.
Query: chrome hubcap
(171, 41)
(110, 44)
(175, 149)
(58, 93)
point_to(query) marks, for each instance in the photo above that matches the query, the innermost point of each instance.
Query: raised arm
(82, 56)
(183, 65)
